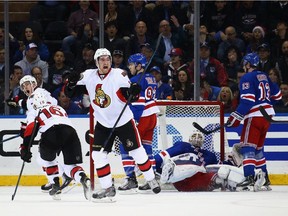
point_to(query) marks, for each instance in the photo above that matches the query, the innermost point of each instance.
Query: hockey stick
(10, 138)
(29, 146)
(202, 130)
(130, 96)
(269, 118)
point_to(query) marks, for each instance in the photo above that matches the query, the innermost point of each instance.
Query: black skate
(144, 187)
(129, 186)
(105, 195)
(55, 191)
(154, 185)
(46, 188)
(86, 183)
(66, 181)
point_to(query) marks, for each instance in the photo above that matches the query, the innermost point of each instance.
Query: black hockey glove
(134, 89)
(73, 78)
(25, 153)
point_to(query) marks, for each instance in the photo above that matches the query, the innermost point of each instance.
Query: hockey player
(28, 85)
(256, 89)
(57, 135)
(144, 111)
(190, 168)
(109, 88)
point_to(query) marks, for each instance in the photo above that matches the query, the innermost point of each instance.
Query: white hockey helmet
(39, 100)
(196, 139)
(101, 52)
(28, 78)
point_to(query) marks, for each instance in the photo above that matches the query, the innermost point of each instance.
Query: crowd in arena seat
(62, 36)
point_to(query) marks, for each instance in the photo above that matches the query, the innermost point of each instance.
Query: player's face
(27, 88)
(104, 64)
(132, 68)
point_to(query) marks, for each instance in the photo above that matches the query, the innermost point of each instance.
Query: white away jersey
(106, 97)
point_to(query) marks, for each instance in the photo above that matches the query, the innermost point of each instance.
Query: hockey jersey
(256, 89)
(145, 105)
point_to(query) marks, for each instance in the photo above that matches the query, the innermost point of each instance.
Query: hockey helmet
(101, 52)
(28, 78)
(138, 58)
(39, 100)
(196, 139)
(252, 58)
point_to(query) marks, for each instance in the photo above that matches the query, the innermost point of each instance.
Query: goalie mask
(196, 139)
(27, 84)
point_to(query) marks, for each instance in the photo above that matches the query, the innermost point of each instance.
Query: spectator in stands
(118, 61)
(182, 87)
(87, 59)
(32, 59)
(265, 63)
(15, 93)
(274, 76)
(282, 62)
(232, 64)
(76, 22)
(164, 91)
(115, 13)
(176, 64)
(282, 106)
(257, 38)
(37, 73)
(111, 39)
(208, 92)
(138, 38)
(68, 105)
(211, 69)
(31, 35)
(226, 97)
(57, 69)
(168, 41)
(231, 39)
(13, 44)
(136, 11)
(281, 34)
(147, 50)
(277, 12)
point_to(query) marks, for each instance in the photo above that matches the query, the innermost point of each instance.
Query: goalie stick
(269, 118)
(202, 130)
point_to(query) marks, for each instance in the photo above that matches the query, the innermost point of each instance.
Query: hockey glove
(134, 89)
(234, 119)
(73, 78)
(11, 102)
(25, 153)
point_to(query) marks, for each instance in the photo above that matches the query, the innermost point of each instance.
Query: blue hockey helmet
(252, 58)
(137, 58)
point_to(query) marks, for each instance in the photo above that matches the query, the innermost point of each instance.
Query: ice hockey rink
(31, 201)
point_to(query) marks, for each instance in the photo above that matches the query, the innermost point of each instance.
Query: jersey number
(52, 111)
(264, 91)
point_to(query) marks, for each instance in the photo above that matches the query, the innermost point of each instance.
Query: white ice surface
(30, 201)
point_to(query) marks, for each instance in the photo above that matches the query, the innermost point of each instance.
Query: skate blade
(56, 197)
(104, 200)
(149, 191)
(69, 188)
(128, 192)
(45, 191)
(88, 193)
(262, 188)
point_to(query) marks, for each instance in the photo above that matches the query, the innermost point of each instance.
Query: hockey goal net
(174, 123)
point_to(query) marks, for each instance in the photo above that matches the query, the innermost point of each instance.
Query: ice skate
(46, 188)
(55, 191)
(86, 183)
(144, 187)
(129, 186)
(247, 184)
(167, 171)
(105, 195)
(259, 181)
(66, 180)
(154, 185)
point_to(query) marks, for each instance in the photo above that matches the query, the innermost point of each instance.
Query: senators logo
(101, 99)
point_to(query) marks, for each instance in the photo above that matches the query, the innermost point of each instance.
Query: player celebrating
(109, 89)
(57, 134)
(256, 89)
(144, 111)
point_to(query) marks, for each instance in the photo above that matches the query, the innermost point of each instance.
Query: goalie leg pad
(233, 176)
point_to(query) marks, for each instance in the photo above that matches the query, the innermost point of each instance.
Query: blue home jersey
(145, 105)
(256, 89)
